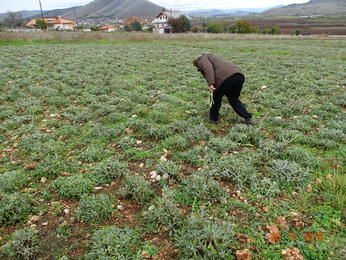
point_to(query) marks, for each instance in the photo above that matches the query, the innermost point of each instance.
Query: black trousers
(231, 87)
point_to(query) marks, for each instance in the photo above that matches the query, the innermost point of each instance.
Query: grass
(103, 143)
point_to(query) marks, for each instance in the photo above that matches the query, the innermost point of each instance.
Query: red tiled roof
(131, 19)
(106, 27)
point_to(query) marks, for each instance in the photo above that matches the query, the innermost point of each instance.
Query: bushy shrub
(14, 208)
(197, 156)
(51, 166)
(221, 144)
(327, 138)
(176, 143)
(272, 30)
(245, 135)
(115, 243)
(107, 171)
(170, 168)
(203, 186)
(197, 132)
(289, 174)
(93, 154)
(236, 169)
(106, 131)
(12, 181)
(24, 244)
(266, 188)
(127, 143)
(157, 132)
(95, 209)
(73, 187)
(136, 187)
(201, 238)
(164, 212)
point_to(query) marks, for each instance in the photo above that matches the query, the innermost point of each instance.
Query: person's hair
(195, 62)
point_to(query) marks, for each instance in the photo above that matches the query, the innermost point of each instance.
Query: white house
(161, 21)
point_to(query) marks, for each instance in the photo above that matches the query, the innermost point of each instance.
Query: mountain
(117, 8)
(325, 7)
(225, 12)
(24, 13)
(101, 8)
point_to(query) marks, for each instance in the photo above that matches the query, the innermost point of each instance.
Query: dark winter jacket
(216, 70)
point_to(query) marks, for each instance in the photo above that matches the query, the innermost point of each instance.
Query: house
(161, 21)
(108, 28)
(128, 21)
(53, 23)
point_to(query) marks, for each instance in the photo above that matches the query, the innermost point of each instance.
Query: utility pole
(75, 14)
(41, 10)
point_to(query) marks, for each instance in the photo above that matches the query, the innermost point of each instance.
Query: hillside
(116, 8)
(325, 7)
(102, 8)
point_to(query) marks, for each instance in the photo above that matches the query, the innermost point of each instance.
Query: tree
(272, 30)
(41, 24)
(13, 20)
(186, 26)
(243, 26)
(176, 24)
(136, 25)
(214, 27)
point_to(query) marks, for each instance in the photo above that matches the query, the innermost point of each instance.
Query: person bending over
(223, 78)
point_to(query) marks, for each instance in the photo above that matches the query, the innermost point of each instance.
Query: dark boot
(211, 121)
(248, 121)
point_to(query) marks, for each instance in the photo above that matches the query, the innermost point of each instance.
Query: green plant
(12, 181)
(107, 171)
(136, 187)
(93, 154)
(14, 208)
(237, 169)
(289, 174)
(164, 212)
(247, 136)
(202, 186)
(202, 238)
(73, 187)
(214, 27)
(95, 209)
(169, 168)
(115, 242)
(24, 244)
(136, 25)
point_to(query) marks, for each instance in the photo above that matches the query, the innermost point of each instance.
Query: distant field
(104, 151)
(327, 25)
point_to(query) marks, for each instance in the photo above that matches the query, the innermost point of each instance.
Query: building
(161, 21)
(53, 23)
(128, 21)
(108, 28)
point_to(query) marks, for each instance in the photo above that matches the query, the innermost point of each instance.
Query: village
(159, 24)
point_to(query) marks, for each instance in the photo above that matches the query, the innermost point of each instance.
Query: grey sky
(17, 5)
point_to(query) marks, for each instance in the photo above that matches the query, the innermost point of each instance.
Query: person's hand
(211, 87)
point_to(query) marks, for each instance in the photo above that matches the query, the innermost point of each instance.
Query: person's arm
(207, 69)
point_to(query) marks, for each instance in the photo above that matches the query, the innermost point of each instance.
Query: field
(104, 153)
(330, 25)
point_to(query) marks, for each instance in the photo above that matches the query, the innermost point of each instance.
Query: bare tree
(13, 20)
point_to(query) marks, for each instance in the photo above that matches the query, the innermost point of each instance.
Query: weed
(204, 239)
(95, 209)
(12, 181)
(169, 168)
(115, 242)
(202, 186)
(24, 244)
(136, 187)
(14, 208)
(164, 212)
(73, 187)
(289, 174)
(107, 171)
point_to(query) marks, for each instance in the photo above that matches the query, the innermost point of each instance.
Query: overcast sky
(18, 5)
